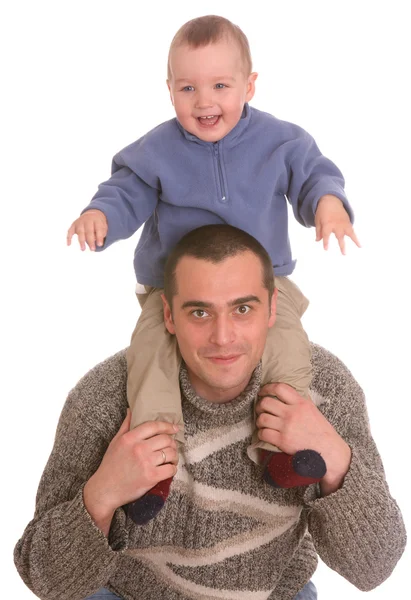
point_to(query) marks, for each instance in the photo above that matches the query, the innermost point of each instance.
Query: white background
(80, 81)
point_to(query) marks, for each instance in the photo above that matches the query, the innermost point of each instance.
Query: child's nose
(204, 100)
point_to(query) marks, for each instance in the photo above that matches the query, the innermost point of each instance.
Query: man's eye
(188, 88)
(199, 313)
(243, 310)
(220, 86)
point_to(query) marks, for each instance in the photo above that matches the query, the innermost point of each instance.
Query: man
(224, 532)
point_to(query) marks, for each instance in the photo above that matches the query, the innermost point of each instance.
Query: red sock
(287, 471)
(147, 507)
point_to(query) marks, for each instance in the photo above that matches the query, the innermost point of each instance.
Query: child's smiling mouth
(209, 120)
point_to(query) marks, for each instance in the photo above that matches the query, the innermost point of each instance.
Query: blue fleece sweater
(173, 182)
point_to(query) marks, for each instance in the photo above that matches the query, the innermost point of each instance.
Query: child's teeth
(213, 118)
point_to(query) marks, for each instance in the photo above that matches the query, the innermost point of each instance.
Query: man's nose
(222, 332)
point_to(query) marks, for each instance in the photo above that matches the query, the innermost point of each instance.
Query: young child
(218, 161)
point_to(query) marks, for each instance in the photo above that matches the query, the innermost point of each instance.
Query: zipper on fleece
(223, 196)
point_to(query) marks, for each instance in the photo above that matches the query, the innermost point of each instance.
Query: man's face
(220, 316)
(209, 87)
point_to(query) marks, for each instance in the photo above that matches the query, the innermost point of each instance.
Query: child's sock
(144, 509)
(286, 471)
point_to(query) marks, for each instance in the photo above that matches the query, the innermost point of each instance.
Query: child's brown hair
(210, 30)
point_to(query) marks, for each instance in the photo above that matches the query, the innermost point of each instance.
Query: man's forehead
(220, 282)
(236, 264)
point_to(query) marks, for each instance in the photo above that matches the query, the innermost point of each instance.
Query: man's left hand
(294, 423)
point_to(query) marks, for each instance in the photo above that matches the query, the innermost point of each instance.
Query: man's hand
(294, 423)
(132, 465)
(331, 217)
(91, 227)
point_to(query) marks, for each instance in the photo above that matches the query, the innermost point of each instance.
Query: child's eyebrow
(225, 77)
(219, 78)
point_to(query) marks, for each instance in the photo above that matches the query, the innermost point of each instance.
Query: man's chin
(221, 380)
(229, 379)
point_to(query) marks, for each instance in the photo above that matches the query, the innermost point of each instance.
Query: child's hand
(91, 227)
(331, 217)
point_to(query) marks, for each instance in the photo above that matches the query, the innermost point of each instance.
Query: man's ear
(171, 93)
(251, 86)
(168, 317)
(273, 308)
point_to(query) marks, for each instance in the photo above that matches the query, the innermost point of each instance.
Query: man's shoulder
(98, 402)
(332, 381)
(105, 385)
(111, 372)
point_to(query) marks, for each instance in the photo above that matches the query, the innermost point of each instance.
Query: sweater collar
(237, 408)
(230, 137)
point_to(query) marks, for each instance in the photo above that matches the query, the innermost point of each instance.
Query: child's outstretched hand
(90, 228)
(331, 217)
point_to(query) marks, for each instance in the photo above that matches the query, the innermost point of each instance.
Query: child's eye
(243, 310)
(220, 86)
(188, 88)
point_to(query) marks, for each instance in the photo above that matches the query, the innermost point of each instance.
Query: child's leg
(153, 392)
(287, 359)
(153, 364)
(287, 356)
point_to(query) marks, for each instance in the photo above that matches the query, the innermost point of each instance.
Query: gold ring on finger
(164, 457)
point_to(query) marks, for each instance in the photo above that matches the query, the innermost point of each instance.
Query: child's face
(209, 82)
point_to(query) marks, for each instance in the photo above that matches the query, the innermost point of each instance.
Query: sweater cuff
(81, 558)
(361, 525)
(117, 540)
(352, 491)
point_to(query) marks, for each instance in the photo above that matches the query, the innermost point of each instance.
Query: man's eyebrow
(245, 300)
(197, 304)
(236, 302)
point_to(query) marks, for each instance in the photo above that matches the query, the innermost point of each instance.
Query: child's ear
(171, 93)
(251, 86)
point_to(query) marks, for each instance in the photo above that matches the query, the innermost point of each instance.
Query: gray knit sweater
(223, 533)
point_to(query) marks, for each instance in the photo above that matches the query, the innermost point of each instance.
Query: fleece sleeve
(311, 176)
(129, 198)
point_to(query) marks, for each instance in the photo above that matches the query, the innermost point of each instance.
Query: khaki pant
(154, 361)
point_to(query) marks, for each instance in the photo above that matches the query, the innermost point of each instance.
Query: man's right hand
(90, 228)
(132, 465)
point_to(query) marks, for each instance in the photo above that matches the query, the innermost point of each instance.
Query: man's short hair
(215, 243)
